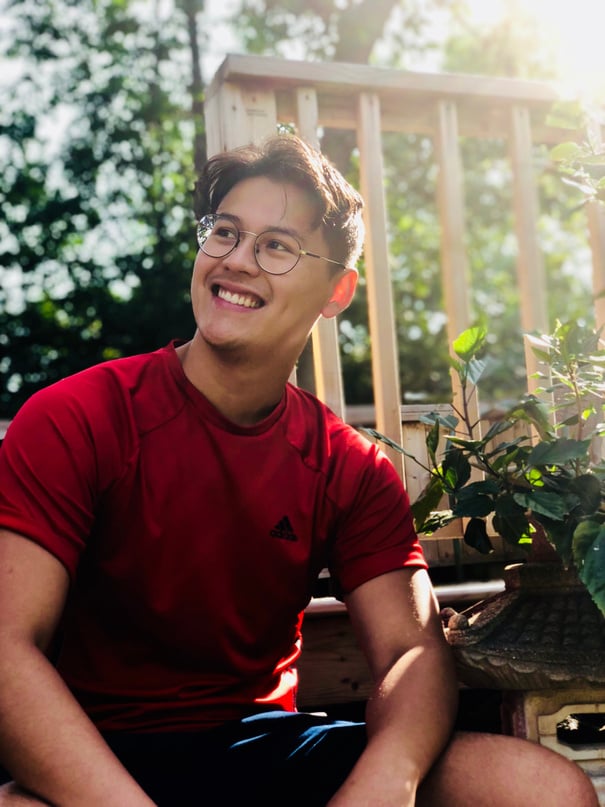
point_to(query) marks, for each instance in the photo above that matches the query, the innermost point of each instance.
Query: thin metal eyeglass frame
(301, 251)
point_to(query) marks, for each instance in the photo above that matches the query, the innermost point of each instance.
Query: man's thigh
(269, 759)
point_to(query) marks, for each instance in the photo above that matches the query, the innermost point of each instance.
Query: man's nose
(243, 257)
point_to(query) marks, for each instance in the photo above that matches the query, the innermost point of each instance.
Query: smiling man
(162, 521)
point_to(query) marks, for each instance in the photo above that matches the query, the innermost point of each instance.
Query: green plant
(549, 477)
(581, 162)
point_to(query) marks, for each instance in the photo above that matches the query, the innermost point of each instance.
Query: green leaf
(475, 369)
(475, 535)
(455, 470)
(469, 342)
(584, 537)
(510, 520)
(566, 152)
(476, 505)
(387, 441)
(588, 490)
(558, 452)
(589, 556)
(432, 441)
(426, 503)
(448, 421)
(476, 499)
(534, 411)
(548, 504)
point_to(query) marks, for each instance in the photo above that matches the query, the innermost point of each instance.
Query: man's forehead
(272, 204)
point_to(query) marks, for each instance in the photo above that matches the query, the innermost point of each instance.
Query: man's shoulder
(109, 392)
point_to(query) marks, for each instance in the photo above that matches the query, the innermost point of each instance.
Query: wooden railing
(251, 95)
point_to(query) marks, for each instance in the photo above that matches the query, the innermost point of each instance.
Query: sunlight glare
(577, 32)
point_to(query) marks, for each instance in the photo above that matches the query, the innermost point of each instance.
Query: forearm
(48, 744)
(409, 720)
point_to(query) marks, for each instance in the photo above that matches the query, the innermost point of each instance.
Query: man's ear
(342, 293)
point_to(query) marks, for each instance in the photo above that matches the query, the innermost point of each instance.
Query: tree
(96, 239)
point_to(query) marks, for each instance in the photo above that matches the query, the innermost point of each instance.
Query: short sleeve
(376, 532)
(55, 460)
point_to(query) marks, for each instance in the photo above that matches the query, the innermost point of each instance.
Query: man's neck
(243, 392)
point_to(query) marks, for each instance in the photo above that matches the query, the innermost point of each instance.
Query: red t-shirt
(192, 543)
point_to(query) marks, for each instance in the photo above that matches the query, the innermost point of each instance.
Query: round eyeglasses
(276, 251)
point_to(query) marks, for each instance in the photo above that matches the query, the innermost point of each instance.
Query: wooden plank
(326, 350)
(596, 229)
(356, 78)
(331, 668)
(405, 113)
(454, 264)
(385, 365)
(239, 114)
(531, 276)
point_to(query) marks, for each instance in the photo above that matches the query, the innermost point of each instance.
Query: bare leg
(12, 796)
(491, 770)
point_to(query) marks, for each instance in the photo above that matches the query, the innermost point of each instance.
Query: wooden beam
(454, 264)
(531, 276)
(385, 364)
(356, 78)
(326, 350)
(596, 229)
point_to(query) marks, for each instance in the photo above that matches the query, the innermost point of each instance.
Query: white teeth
(238, 299)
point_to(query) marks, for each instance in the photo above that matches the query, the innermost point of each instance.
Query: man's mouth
(235, 298)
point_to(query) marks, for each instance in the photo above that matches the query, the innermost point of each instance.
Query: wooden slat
(326, 350)
(531, 276)
(385, 365)
(596, 229)
(357, 78)
(454, 264)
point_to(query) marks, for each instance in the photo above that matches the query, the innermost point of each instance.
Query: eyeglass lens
(276, 252)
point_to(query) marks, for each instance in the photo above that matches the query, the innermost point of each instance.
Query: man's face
(241, 309)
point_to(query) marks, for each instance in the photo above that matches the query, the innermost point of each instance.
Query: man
(165, 517)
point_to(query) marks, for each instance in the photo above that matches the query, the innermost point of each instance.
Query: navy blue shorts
(265, 760)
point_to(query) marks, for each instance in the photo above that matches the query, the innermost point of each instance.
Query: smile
(245, 300)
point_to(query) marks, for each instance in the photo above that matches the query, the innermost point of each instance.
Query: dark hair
(288, 159)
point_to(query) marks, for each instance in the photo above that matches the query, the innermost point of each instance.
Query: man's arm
(411, 713)
(47, 742)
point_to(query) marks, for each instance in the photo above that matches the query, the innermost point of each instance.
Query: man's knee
(504, 771)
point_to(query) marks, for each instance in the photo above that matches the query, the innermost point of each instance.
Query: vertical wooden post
(238, 115)
(326, 351)
(596, 229)
(530, 265)
(385, 365)
(454, 264)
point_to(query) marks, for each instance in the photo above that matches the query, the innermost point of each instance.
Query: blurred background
(102, 131)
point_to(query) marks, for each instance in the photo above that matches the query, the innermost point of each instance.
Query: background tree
(102, 128)
(97, 135)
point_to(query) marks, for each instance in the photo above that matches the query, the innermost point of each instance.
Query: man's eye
(227, 233)
(280, 245)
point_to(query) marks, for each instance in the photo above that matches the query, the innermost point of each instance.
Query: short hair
(286, 158)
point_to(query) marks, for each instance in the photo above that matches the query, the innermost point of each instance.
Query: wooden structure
(247, 100)
(250, 95)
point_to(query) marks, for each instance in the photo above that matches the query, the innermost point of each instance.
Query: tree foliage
(102, 128)
(97, 133)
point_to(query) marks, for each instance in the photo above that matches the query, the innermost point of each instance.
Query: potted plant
(548, 481)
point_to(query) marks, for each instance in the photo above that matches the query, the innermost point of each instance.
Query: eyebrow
(273, 229)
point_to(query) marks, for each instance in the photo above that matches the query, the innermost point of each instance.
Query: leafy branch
(535, 464)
